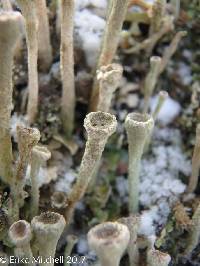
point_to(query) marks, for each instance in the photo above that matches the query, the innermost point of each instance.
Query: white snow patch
(168, 112)
(17, 120)
(82, 245)
(80, 4)
(185, 73)
(147, 227)
(65, 183)
(122, 187)
(89, 28)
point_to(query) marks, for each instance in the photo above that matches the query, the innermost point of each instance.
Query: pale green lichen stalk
(99, 126)
(9, 35)
(67, 66)
(71, 242)
(29, 12)
(109, 78)
(20, 235)
(138, 127)
(27, 139)
(151, 80)
(109, 240)
(44, 46)
(162, 96)
(193, 181)
(169, 51)
(39, 156)
(47, 229)
(133, 223)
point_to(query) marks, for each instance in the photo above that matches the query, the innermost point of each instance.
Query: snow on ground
(89, 27)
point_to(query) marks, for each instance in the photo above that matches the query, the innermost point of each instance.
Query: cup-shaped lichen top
(155, 63)
(41, 153)
(109, 240)
(47, 229)
(138, 126)
(10, 23)
(20, 233)
(109, 78)
(111, 74)
(48, 225)
(59, 200)
(100, 125)
(157, 258)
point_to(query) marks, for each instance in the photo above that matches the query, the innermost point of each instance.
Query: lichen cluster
(29, 225)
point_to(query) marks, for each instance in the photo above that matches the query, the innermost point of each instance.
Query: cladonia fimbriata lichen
(109, 78)
(138, 127)
(67, 66)
(44, 51)
(162, 96)
(133, 223)
(193, 181)
(109, 240)
(171, 49)
(151, 80)
(29, 12)
(47, 229)
(27, 139)
(9, 34)
(99, 126)
(39, 156)
(20, 235)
